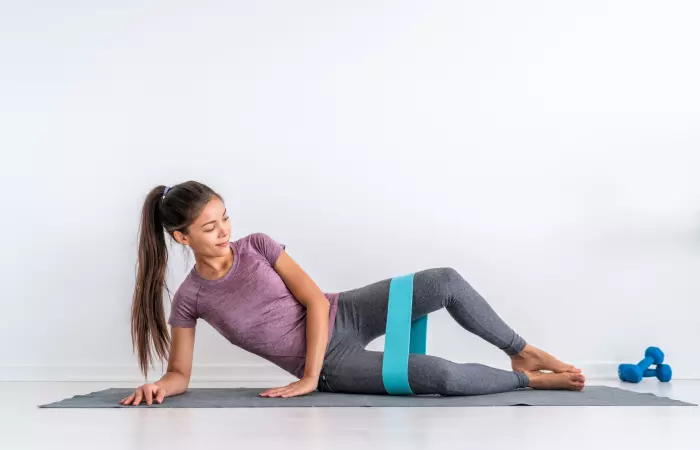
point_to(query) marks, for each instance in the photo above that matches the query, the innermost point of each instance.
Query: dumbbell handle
(662, 372)
(645, 363)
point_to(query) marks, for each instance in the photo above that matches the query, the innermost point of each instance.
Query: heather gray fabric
(248, 398)
(361, 317)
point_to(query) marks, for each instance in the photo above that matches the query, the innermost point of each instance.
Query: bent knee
(448, 277)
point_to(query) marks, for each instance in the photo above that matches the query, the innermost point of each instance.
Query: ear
(181, 238)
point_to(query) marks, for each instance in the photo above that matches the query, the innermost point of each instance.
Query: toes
(568, 368)
(576, 377)
(561, 368)
(576, 385)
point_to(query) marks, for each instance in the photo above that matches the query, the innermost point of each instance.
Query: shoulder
(258, 241)
(183, 311)
(258, 238)
(264, 245)
(187, 292)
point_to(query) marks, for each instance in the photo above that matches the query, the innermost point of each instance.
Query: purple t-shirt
(250, 306)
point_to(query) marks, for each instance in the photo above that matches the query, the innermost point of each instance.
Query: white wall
(549, 151)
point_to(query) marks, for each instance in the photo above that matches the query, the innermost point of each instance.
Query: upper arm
(183, 319)
(298, 281)
(181, 351)
(183, 311)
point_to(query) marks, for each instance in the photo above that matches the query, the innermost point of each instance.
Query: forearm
(174, 383)
(316, 337)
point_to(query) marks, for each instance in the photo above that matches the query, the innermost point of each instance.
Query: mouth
(222, 245)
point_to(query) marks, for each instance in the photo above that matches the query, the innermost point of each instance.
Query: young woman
(254, 294)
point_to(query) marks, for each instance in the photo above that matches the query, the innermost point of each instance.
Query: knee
(448, 277)
(440, 282)
(448, 274)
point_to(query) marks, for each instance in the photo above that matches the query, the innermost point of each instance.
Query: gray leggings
(361, 318)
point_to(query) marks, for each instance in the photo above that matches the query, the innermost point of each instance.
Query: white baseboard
(265, 373)
(130, 373)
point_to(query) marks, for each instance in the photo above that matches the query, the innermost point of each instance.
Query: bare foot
(532, 358)
(565, 380)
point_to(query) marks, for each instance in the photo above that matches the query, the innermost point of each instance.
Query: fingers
(149, 395)
(285, 392)
(280, 392)
(291, 393)
(301, 387)
(139, 396)
(297, 390)
(161, 395)
(127, 400)
(291, 390)
(274, 392)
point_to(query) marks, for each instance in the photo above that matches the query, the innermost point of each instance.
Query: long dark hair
(160, 214)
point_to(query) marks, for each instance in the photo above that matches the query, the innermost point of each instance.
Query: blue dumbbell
(634, 373)
(662, 372)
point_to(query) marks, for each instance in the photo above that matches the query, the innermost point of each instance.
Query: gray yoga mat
(248, 398)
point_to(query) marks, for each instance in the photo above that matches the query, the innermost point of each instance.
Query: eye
(209, 230)
(226, 218)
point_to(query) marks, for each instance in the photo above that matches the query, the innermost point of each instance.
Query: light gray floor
(24, 426)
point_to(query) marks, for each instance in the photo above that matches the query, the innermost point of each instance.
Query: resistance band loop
(402, 336)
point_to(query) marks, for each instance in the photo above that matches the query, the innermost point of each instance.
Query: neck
(213, 268)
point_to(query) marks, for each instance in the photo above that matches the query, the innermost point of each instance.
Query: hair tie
(167, 188)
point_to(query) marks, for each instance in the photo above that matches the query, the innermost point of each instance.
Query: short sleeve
(183, 311)
(266, 246)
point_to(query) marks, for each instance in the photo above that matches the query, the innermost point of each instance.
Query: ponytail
(148, 325)
(161, 213)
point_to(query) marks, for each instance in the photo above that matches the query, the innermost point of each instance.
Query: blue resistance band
(402, 336)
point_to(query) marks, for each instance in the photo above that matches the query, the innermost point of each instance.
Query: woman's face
(209, 234)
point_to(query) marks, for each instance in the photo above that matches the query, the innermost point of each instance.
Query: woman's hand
(301, 387)
(150, 391)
